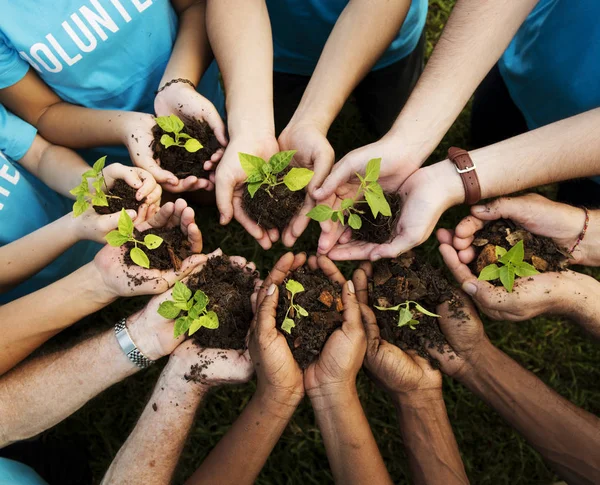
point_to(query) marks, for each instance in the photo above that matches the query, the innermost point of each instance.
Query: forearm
(428, 439)
(30, 321)
(240, 35)
(565, 435)
(241, 453)
(67, 379)
(351, 449)
(579, 301)
(476, 35)
(362, 33)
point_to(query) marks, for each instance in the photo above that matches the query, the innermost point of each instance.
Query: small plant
(373, 193)
(261, 173)
(196, 315)
(124, 234)
(173, 124)
(84, 197)
(511, 264)
(294, 288)
(405, 315)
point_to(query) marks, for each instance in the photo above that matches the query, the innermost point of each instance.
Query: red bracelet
(582, 235)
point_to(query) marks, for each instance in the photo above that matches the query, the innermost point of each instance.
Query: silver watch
(128, 346)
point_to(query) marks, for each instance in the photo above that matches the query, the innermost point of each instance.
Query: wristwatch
(467, 170)
(128, 346)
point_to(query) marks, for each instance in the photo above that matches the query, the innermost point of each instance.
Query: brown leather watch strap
(466, 169)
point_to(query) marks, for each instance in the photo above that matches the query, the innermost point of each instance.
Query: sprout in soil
(294, 288)
(373, 193)
(173, 124)
(195, 314)
(405, 315)
(83, 195)
(261, 173)
(124, 234)
(511, 264)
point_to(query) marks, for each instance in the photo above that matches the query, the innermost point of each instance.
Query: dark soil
(177, 159)
(379, 230)
(409, 278)
(125, 201)
(541, 252)
(322, 299)
(275, 210)
(169, 255)
(196, 373)
(229, 289)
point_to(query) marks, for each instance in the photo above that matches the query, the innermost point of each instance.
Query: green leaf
(507, 277)
(334, 216)
(252, 188)
(340, 216)
(412, 324)
(184, 305)
(294, 287)
(377, 202)
(250, 163)
(386, 309)
(139, 257)
(170, 124)
(167, 141)
(424, 311)
(404, 316)
(81, 189)
(500, 251)
(281, 160)
(297, 178)
(489, 273)
(99, 164)
(524, 269)
(116, 239)
(91, 173)
(79, 207)
(301, 311)
(201, 299)
(193, 145)
(266, 170)
(125, 224)
(181, 292)
(256, 176)
(287, 325)
(515, 255)
(372, 171)
(168, 310)
(97, 184)
(354, 221)
(181, 326)
(211, 320)
(152, 242)
(100, 199)
(347, 203)
(183, 136)
(320, 213)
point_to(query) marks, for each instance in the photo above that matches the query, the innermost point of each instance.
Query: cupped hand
(137, 178)
(280, 271)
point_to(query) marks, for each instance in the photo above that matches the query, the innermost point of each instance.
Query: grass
(555, 350)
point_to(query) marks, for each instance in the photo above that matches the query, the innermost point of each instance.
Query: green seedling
(511, 264)
(261, 173)
(406, 316)
(294, 288)
(173, 124)
(124, 234)
(195, 314)
(372, 192)
(83, 194)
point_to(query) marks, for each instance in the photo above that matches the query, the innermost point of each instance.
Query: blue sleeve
(12, 67)
(16, 135)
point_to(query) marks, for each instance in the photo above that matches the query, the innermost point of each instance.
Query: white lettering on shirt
(121, 10)
(43, 48)
(13, 179)
(61, 52)
(141, 6)
(96, 20)
(29, 60)
(90, 37)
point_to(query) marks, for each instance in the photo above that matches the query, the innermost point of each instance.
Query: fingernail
(271, 289)
(351, 287)
(469, 288)
(376, 257)
(478, 209)
(223, 220)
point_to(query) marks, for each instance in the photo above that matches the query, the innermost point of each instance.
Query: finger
(346, 236)
(460, 271)
(393, 249)
(460, 244)
(367, 267)
(330, 235)
(273, 234)
(238, 261)
(111, 221)
(187, 266)
(132, 178)
(224, 194)
(214, 120)
(352, 319)
(154, 196)
(467, 255)
(341, 173)
(331, 270)
(277, 274)
(187, 216)
(298, 223)
(501, 208)
(163, 215)
(371, 329)
(360, 280)
(254, 297)
(323, 161)
(467, 227)
(150, 165)
(444, 236)
(355, 250)
(265, 320)
(250, 225)
(175, 219)
(195, 238)
(141, 215)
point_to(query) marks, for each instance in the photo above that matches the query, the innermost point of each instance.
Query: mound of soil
(322, 299)
(379, 230)
(229, 289)
(169, 255)
(541, 252)
(126, 199)
(274, 211)
(408, 278)
(177, 159)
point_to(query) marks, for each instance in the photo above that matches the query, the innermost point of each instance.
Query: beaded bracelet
(582, 235)
(174, 81)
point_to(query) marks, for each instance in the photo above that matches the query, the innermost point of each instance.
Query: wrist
(251, 131)
(147, 341)
(313, 117)
(71, 228)
(332, 396)
(418, 398)
(93, 284)
(445, 174)
(577, 296)
(588, 250)
(132, 124)
(485, 357)
(279, 402)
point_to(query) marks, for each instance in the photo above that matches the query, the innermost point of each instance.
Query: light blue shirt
(301, 29)
(101, 54)
(15, 473)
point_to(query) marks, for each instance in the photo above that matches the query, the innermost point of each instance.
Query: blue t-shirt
(552, 66)
(301, 29)
(15, 473)
(26, 204)
(102, 54)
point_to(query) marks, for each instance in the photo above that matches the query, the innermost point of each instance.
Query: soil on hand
(273, 210)
(229, 289)
(169, 255)
(121, 196)
(541, 252)
(379, 230)
(409, 278)
(197, 371)
(322, 299)
(178, 160)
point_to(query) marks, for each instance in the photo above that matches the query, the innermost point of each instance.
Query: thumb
(265, 318)
(111, 221)
(502, 208)
(341, 173)
(224, 195)
(322, 166)
(393, 249)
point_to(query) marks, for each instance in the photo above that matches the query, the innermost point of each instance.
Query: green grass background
(555, 350)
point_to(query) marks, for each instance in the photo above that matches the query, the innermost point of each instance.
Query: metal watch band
(128, 346)
(468, 174)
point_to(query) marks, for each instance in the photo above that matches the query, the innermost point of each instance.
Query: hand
(283, 267)
(398, 373)
(91, 226)
(229, 181)
(313, 152)
(425, 196)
